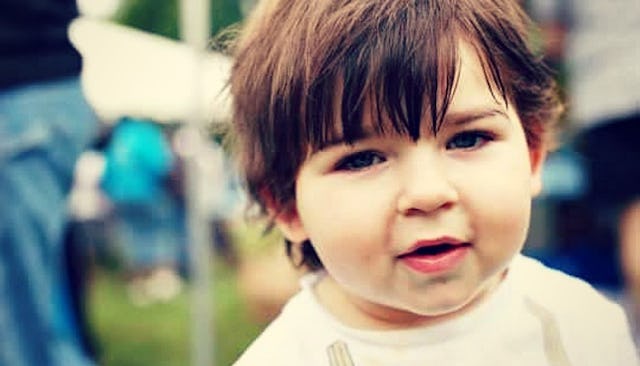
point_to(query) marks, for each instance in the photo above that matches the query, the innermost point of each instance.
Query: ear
(286, 218)
(537, 157)
(289, 223)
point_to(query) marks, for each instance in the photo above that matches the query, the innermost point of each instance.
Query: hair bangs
(390, 76)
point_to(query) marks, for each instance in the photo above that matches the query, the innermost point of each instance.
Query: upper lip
(432, 242)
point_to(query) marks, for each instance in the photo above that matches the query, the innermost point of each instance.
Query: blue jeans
(43, 128)
(151, 233)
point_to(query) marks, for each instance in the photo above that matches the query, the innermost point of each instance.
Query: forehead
(474, 88)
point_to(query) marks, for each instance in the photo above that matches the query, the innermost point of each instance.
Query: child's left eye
(360, 160)
(468, 140)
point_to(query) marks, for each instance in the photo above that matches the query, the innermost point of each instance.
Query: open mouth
(434, 250)
(434, 258)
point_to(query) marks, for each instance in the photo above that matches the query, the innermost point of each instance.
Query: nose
(426, 185)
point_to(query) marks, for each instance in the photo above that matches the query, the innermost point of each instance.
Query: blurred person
(598, 42)
(218, 190)
(45, 123)
(139, 160)
(84, 238)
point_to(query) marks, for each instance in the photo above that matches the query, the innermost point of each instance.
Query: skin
(363, 205)
(629, 232)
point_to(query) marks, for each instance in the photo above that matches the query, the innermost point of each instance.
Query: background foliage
(161, 16)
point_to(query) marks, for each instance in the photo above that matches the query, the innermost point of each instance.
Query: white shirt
(536, 317)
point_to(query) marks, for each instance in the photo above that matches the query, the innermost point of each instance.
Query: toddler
(397, 145)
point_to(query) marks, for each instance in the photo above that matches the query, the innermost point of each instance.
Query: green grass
(159, 334)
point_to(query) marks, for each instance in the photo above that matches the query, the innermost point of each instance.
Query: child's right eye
(360, 161)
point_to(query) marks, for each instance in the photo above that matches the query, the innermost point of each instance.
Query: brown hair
(304, 71)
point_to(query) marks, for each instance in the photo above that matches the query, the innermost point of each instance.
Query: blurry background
(128, 242)
(127, 245)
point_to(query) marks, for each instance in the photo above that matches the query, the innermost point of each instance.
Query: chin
(446, 307)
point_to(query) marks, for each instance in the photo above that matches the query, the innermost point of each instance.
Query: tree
(161, 16)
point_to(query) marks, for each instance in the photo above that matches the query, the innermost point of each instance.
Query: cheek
(502, 206)
(339, 221)
(341, 205)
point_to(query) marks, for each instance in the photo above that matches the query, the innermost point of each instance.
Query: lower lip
(436, 263)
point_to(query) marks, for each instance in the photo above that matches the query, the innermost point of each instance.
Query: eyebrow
(468, 116)
(341, 140)
(457, 118)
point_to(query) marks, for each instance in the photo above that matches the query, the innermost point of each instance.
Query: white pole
(194, 29)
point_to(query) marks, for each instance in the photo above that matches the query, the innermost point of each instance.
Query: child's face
(464, 195)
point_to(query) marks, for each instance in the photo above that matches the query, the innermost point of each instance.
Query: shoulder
(275, 345)
(554, 288)
(563, 295)
(296, 335)
(585, 319)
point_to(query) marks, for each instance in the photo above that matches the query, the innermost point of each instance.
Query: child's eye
(360, 160)
(468, 140)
